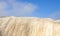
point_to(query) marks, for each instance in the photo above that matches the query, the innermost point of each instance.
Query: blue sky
(33, 8)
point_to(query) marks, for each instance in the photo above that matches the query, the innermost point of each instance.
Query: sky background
(30, 8)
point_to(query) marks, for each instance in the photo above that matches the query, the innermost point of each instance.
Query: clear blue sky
(46, 8)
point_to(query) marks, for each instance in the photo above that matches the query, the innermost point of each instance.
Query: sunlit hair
(26, 26)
